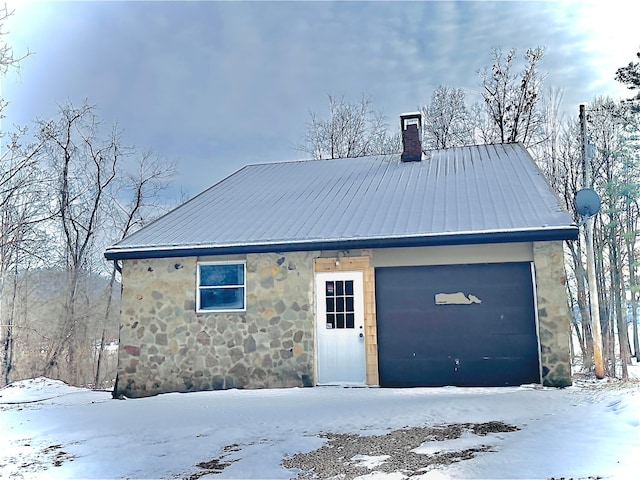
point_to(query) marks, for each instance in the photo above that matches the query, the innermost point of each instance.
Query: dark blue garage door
(463, 325)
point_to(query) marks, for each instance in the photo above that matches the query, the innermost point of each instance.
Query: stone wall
(165, 346)
(553, 313)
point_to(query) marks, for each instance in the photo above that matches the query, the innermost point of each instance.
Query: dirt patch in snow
(216, 465)
(40, 460)
(343, 454)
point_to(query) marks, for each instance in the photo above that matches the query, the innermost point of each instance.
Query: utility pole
(591, 268)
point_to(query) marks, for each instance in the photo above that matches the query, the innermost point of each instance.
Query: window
(340, 309)
(221, 287)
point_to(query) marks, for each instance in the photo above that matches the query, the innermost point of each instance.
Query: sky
(51, 430)
(214, 86)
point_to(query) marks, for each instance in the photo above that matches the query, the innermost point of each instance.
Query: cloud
(220, 84)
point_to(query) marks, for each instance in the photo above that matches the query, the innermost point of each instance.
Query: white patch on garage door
(458, 298)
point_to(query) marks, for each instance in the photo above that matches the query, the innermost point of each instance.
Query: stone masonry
(553, 313)
(165, 346)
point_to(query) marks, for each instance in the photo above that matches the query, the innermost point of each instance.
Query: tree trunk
(634, 306)
(608, 349)
(583, 306)
(9, 338)
(65, 337)
(630, 240)
(107, 312)
(616, 286)
(608, 331)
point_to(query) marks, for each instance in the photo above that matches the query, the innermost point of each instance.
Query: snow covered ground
(590, 430)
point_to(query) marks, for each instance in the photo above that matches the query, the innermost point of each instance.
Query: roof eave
(471, 238)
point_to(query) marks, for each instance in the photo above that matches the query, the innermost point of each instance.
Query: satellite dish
(587, 202)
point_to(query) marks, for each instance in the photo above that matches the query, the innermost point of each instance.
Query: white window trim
(244, 286)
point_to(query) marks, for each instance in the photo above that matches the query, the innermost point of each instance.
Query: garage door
(464, 325)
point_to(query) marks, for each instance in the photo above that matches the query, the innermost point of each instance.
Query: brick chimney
(411, 128)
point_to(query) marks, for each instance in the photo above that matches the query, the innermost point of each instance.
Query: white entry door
(340, 328)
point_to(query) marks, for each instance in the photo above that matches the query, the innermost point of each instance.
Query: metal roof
(476, 194)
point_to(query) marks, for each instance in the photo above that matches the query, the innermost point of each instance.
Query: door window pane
(330, 305)
(331, 320)
(340, 304)
(350, 320)
(348, 304)
(330, 289)
(348, 287)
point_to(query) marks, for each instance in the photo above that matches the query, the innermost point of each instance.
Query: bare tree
(85, 164)
(559, 158)
(141, 190)
(630, 76)
(23, 240)
(511, 100)
(20, 196)
(615, 173)
(446, 120)
(8, 60)
(62, 198)
(352, 130)
(632, 215)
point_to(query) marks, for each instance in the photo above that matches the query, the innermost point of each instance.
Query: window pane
(340, 304)
(330, 305)
(339, 287)
(340, 320)
(348, 287)
(349, 304)
(350, 320)
(222, 298)
(330, 289)
(331, 321)
(222, 274)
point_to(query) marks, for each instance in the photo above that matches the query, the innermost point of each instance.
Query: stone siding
(553, 313)
(165, 346)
